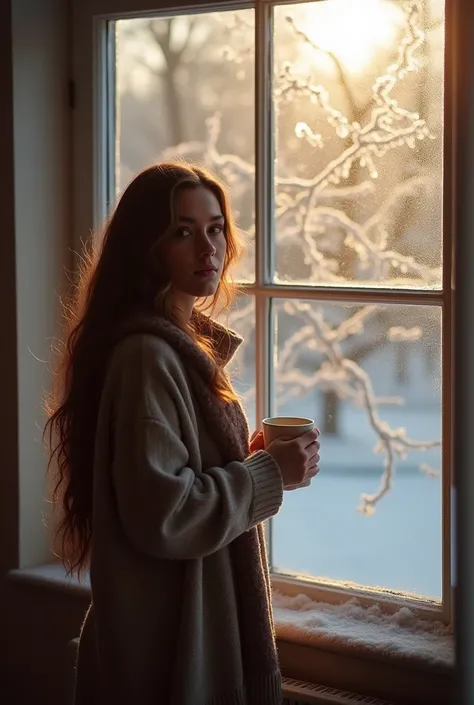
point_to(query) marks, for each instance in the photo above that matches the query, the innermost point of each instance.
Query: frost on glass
(185, 90)
(370, 376)
(358, 98)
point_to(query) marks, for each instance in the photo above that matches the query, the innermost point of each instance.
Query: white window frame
(93, 129)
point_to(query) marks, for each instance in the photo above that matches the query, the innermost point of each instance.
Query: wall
(42, 212)
(35, 213)
(9, 406)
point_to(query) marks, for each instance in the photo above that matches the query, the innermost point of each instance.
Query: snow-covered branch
(348, 379)
(311, 211)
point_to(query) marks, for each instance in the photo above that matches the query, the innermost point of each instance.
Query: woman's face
(195, 251)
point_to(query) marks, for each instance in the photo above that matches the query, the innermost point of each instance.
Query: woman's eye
(183, 232)
(216, 229)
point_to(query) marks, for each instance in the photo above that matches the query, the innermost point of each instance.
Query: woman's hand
(256, 441)
(297, 458)
(311, 449)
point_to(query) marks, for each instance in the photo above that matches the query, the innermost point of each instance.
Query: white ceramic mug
(285, 426)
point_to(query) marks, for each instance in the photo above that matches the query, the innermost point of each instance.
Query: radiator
(301, 693)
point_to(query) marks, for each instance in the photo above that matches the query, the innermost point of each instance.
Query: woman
(162, 495)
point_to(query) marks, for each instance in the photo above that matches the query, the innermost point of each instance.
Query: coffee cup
(285, 427)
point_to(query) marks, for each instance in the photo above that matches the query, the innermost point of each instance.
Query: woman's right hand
(297, 458)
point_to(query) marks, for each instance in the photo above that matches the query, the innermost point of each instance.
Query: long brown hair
(119, 275)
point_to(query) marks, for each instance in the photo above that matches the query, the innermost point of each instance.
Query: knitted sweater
(168, 614)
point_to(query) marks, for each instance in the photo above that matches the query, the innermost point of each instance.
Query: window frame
(94, 129)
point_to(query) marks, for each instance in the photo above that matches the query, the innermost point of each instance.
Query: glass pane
(358, 98)
(185, 90)
(370, 376)
(241, 318)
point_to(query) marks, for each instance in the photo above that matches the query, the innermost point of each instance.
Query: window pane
(358, 97)
(370, 376)
(185, 90)
(241, 318)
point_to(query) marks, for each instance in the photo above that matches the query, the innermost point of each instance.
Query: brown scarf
(229, 427)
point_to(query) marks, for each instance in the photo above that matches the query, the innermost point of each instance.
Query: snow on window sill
(353, 628)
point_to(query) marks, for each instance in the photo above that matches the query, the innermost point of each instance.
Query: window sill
(394, 656)
(337, 645)
(368, 631)
(53, 576)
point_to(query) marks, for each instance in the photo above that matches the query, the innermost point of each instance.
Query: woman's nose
(205, 246)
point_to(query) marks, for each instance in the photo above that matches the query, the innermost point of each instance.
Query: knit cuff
(267, 487)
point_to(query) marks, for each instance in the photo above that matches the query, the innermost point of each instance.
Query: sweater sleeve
(166, 508)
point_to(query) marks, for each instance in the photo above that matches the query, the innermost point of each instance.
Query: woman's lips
(206, 273)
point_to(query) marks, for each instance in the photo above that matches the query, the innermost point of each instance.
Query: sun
(353, 30)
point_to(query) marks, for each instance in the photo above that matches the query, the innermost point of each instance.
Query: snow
(353, 627)
(319, 532)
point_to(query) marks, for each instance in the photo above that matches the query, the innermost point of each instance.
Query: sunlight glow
(352, 30)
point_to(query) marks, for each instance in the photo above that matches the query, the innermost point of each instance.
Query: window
(326, 120)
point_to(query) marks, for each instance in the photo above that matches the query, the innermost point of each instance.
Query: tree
(345, 197)
(358, 110)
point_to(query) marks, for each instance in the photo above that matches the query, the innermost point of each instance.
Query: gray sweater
(165, 624)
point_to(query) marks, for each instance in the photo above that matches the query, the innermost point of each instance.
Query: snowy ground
(319, 531)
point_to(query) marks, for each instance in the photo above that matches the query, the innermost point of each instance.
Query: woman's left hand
(256, 442)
